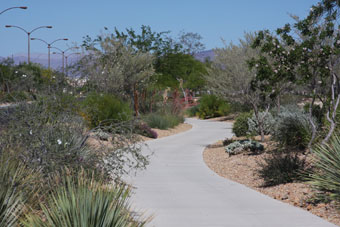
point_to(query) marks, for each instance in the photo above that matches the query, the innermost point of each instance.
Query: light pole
(49, 45)
(63, 54)
(28, 36)
(16, 7)
(66, 57)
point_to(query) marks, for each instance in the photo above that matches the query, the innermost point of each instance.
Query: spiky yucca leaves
(18, 185)
(81, 201)
(326, 177)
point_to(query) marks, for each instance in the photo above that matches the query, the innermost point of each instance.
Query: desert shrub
(292, 128)
(317, 112)
(325, 177)
(83, 201)
(227, 141)
(240, 126)
(163, 121)
(280, 168)
(193, 111)
(243, 145)
(212, 106)
(145, 130)
(268, 123)
(99, 109)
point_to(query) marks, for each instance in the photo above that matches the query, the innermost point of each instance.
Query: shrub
(268, 123)
(212, 106)
(281, 168)
(240, 126)
(163, 121)
(101, 109)
(292, 128)
(317, 112)
(145, 130)
(193, 111)
(82, 201)
(325, 179)
(243, 145)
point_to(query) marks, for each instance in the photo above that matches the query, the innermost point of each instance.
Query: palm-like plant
(82, 201)
(326, 177)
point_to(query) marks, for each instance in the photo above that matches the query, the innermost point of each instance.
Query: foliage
(101, 109)
(212, 106)
(163, 121)
(193, 111)
(175, 66)
(240, 126)
(268, 124)
(82, 201)
(325, 179)
(318, 113)
(243, 145)
(292, 128)
(281, 168)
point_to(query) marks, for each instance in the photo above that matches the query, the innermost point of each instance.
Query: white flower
(275, 71)
(103, 72)
(326, 67)
(24, 75)
(304, 48)
(302, 62)
(31, 133)
(256, 65)
(64, 90)
(278, 46)
(59, 141)
(16, 71)
(71, 92)
(271, 52)
(283, 52)
(338, 42)
(53, 77)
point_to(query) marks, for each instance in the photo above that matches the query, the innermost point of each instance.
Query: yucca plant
(326, 175)
(15, 189)
(82, 201)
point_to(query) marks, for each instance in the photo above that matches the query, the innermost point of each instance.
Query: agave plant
(83, 201)
(326, 177)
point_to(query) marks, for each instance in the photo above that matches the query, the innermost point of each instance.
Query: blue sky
(73, 19)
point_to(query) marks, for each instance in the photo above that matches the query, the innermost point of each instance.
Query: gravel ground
(242, 169)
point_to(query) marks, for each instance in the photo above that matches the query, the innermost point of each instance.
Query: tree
(190, 42)
(115, 67)
(230, 77)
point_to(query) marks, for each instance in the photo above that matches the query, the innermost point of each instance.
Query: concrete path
(181, 191)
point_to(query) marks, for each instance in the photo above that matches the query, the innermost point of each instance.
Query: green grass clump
(163, 121)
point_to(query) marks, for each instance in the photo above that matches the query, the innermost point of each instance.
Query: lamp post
(62, 52)
(66, 57)
(28, 36)
(49, 45)
(16, 7)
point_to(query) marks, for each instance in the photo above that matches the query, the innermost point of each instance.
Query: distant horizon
(213, 20)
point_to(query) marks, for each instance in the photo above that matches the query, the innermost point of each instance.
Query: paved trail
(181, 191)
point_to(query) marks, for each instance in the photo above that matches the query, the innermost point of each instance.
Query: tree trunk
(312, 122)
(135, 100)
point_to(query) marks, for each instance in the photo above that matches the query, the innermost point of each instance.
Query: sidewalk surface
(181, 191)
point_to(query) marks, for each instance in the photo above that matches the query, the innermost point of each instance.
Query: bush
(82, 201)
(281, 168)
(193, 111)
(292, 128)
(268, 123)
(317, 112)
(240, 126)
(163, 121)
(243, 145)
(102, 109)
(145, 130)
(326, 179)
(212, 106)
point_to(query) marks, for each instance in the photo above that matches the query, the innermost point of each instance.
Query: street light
(66, 57)
(62, 52)
(49, 45)
(29, 37)
(16, 7)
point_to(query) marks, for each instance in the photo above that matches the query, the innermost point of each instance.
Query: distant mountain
(41, 58)
(205, 55)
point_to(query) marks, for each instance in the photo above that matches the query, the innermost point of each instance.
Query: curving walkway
(180, 190)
